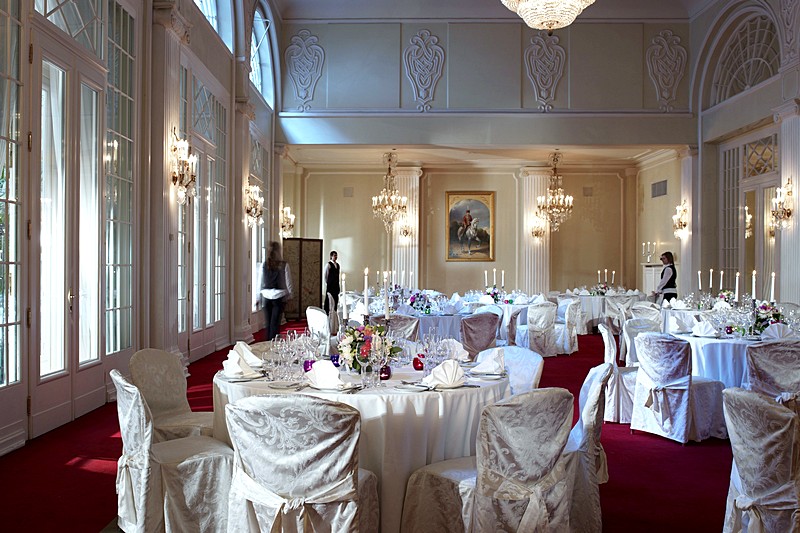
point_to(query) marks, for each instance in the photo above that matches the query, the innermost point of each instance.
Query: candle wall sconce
(253, 205)
(680, 221)
(782, 206)
(184, 168)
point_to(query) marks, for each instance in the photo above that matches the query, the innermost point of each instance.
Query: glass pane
(52, 357)
(749, 244)
(197, 246)
(769, 246)
(89, 233)
(209, 241)
(81, 20)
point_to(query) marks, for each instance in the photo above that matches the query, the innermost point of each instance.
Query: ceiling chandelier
(389, 205)
(556, 207)
(547, 14)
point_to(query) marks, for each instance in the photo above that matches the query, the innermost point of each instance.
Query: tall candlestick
(606, 275)
(394, 277)
(411, 280)
(494, 277)
(753, 288)
(772, 288)
(366, 290)
(711, 280)
(699, 281)
(377, 277)
(485, 278)
(402, 278)
(613, 275)
(598, 276)
(386, 294)
(721, 272)
(736, 294)
(344, 295)
(502, 278)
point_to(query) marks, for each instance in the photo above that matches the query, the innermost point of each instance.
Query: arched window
(219, 15)
(261, 73)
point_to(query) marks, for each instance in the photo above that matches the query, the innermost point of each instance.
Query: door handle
(70, 298)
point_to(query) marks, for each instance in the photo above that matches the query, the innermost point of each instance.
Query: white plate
(404, 387)
(284, 385)
(488, 377)
(347, 387)
(235, 379)
(469, 364)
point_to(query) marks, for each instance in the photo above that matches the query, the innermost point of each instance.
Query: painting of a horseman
(470, 226)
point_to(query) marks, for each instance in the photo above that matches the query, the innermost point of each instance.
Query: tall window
(218, 13)
(261, 58)
(183, 230)
(10, 91)
(81, 20)
(120, 105)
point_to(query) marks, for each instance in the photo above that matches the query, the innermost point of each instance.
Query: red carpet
(64, 480)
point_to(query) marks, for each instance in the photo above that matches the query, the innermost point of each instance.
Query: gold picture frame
(461, 244)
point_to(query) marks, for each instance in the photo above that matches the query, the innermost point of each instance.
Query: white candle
(699, 281)
(394, 277)
(598, 276)
(386, 293)
(642, 248)
(736, 294)
(402, 278)
(411, 280)
(606, 275)
(772, 288)
(502, 278)
(377, 277)
(721, 272)
(711, 280)
(494, 277)
(753, 288)
(366, 290)
(648, 247)
(485, 278)
(613, 274)
(344, 295)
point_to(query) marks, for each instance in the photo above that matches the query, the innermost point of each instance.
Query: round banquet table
(723, 360)
(400, 431)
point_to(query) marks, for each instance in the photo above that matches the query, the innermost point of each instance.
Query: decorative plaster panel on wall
(789, 14)
(304, 60)
(544, 62)
(666, 64)
(424, 64)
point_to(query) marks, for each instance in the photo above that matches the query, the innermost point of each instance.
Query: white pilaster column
(533, 262)
(276, 201)
(405, 250)
(241, 260)
(788, 286)
(685, 266)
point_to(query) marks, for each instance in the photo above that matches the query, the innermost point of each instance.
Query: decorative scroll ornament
(424, 62)
(666, 63)
(544, 61)
(304, 60)
(789, 13)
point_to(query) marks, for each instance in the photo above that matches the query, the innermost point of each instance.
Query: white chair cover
(490, 309)
(774, 369)
(668, 401)
(161, 378)
(765, 480)
(296, 466)
(520, 316)
(479, 332)
(517, 482)
(619, 393)
(178, 485)
(401, 326)
(318, 325)
(630, 330)
(647, 310)
(586, 457)
(617, 312)
(524, 367)
(539, 333)
(566, 332)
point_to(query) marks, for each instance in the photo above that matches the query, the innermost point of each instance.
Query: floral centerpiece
(361, 342)
(599, 290)
(766, 314)
(420, 302)
(726, 296)
(494, 292)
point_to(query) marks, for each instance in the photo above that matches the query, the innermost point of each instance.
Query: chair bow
(125, 488)
(781, 498)
(278, 506)
(536, 517)
(786, 397)
(657, 400)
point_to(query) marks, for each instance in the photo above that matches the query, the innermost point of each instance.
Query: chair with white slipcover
(765, 478)
(296, 466)
(566, 329)
(585, 456)
(538, 333)
(773, 368)
(621, 385)
(630, 329)
(318, 326)
(517, 482)
(161, 378)
(668, 400)
(400, 326)
(479, 332)
(524, 366)
(519, 316)
(618, 310)
(176, 485)
(647, 310)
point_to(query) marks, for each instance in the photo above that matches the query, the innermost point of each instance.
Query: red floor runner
(64, 480)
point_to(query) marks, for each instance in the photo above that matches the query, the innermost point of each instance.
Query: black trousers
(326, 306)
(272, 316)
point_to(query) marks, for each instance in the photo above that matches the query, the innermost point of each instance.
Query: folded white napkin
(493, 363)
(584, 292)
(455, 350)
(236, 367)
(359, 310)
(630, 292)
(246, 353)
(448, 374)
(323, 375)
(665, 304)
(777, 332)
(679, 304)
(704, 329)
(539, 298)
(405, 309)
(679, 325)
(455, 298)
(569, 291)
(449, 309)
(486, 300)
(721, 304)
(611, 292)
(521, 300)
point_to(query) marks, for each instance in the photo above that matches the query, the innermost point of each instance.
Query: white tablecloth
(594, 309)
(400, 431)
(723, 360)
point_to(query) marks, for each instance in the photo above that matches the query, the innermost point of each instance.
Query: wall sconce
(253, 205)
(184, 167)
(748, 223)
(405, 233)
(680, 221)
(287, 222)
(539, 228)
(782, 206)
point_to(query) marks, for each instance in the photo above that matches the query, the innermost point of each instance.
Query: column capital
(281, 150)
(787, 109)
(168, 15)
(408, 172)
(535, 172)
(687, 151)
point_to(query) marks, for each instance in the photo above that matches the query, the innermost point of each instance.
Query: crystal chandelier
(547, 14)
(556, 207)
(389, 205)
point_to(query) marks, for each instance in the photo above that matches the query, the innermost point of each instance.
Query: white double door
(66, 373)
